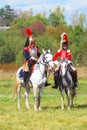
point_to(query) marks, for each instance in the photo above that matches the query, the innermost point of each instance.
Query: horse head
(48, 59)
(63, 66)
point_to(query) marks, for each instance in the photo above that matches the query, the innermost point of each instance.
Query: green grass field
(50, 118)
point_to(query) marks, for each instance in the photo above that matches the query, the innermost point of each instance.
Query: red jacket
(63, 54)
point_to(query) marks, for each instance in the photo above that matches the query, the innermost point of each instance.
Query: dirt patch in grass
(82, 72)
(8, 71)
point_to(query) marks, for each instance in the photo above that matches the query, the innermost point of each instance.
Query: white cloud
(76, 5)
(45, 5)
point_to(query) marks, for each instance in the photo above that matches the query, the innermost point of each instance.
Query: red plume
(28, 32)
(66, 37)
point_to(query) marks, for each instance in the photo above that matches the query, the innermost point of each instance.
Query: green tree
(77, 32)
(78, 19)
(26, 21)
(57, 17)
(7, 15)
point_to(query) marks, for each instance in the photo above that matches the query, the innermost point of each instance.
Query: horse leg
(35, 90)
(26, 98)
(15, 90)
(68, 98)
(39, 98)
(72, 96)
(72, 100)
(62, 100)
(18, 95)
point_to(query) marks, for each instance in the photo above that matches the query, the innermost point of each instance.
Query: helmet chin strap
(64, 48)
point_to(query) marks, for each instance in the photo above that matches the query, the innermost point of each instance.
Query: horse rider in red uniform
(64, 53)
(31, 54)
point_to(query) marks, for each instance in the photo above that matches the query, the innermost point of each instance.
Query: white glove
(33, 58)
(56, 62)
(69, 61)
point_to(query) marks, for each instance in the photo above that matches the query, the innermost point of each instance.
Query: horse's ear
(43, 51)
(48, 50)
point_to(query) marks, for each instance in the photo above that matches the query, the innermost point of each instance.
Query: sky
(40, 6)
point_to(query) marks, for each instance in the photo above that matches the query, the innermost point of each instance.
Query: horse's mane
(40, 58)
(38, 61)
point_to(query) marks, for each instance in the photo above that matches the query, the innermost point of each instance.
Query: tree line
(46, 31)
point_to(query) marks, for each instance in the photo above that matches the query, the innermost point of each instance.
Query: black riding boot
(55, 85)
(74, 77)
(56, 79)
(26, 76)
(46, 84)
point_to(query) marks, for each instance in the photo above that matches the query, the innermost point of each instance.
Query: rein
(42, 60)
(45, 62)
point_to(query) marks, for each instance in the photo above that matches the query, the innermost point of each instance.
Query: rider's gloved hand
(33, 58)
(69, 62)
(56, 62)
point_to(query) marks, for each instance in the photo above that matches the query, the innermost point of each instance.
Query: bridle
(44, 60)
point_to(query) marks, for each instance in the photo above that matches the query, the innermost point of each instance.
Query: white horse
(37, 79)
(66, 83)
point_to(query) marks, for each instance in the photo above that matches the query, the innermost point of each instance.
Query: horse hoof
(68, 108)
(62, 108)
(28, 108)
(40, 108)
(18, 108)
(36, 109)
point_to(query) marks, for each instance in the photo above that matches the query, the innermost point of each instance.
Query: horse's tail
(15, 89)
